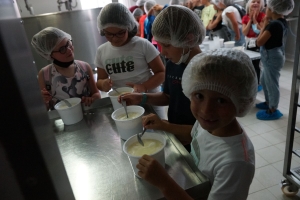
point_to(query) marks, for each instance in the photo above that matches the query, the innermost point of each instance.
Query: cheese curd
(150, 147)
(131, 115)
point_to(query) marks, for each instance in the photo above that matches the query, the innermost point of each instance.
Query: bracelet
(144, 99)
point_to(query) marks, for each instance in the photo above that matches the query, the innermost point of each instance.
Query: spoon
(139, 137)
(116, 91)
(124, 105)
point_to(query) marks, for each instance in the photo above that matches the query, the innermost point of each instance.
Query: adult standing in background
(252, 23)
(207, 14)
(138, 4)
(233, 20)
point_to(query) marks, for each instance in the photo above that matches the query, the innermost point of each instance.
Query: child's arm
(246, 27)
(182, 132)
(45, 94)
(154, 173)
(264, 35)
(235, 25)
(154, 81)
(213, 23)
(103, 81)
(95, 94)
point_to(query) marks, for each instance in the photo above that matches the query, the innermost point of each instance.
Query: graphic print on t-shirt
(175, 79)
(119, 65)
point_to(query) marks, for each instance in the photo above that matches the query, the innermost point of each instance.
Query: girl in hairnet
(126, 60)
(272, 40)
(64, 77)
(221, 85)
(179, 32)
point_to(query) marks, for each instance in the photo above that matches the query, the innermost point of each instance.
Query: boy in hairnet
(221, 85)
(65, 77)
(125, 59)
(179, 32)
(272, 39)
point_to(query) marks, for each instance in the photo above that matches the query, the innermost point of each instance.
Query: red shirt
(132, 8)
(245, 20)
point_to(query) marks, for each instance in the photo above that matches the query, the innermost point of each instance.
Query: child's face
(64, 51)
(214, 111)
(255, 5)
(116, 36)
(171, 52)
(268, 12)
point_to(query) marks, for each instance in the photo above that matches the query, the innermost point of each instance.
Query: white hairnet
(229, 72)
(138, 12)
(177, 2)
(46, 40)
(178, 26)
(225, 2)
(261, 6)
(115, 15)
(148, 5)
(140, 2)
(282, 7)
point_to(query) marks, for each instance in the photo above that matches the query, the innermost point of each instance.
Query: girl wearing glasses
(64, 77)
(126, 60)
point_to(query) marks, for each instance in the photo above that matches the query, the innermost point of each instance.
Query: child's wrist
(144, 99)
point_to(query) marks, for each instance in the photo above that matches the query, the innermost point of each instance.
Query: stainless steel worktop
(99, 169)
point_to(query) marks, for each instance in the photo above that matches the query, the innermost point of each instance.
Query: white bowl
(229, 44)
(128, 127)
(159, 155)
(70, 115)
(113, 95)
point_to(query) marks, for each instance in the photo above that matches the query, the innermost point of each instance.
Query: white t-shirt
(228, 163)
(226, 20)
(128, 63)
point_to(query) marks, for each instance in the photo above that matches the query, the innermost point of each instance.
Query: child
(207, 14)
(272, 49)
(252, 23)
(126, 60)
(215, 25)
(64, 77)
(221, 85)
(179, 31)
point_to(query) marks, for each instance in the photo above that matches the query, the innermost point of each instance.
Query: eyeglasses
(63, 49)
(120, 34)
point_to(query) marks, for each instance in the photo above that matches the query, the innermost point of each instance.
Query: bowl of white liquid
(130, 126)
(70, 115)
(154, 145)
(113, 95)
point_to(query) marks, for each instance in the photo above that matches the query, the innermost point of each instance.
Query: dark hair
(131, 33)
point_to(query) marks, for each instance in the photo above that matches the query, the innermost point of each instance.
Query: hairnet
(261, 6)
(282, 7)
(177, 2)
(115, 15)
(225, 2)
(178, 26)
(229, 72)
(138, 12)
(148, 5)
(215, 2)
(46, 40)
(140, 2)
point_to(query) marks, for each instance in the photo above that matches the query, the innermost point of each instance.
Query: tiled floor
(269, 140)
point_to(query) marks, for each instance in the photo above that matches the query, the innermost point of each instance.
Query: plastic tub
(128, 127)
(159, 155)
(70, 115)
(229, 44)
(113, 95)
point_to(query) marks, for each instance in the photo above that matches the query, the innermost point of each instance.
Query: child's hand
(131, 98)
(87, 101)
(152, 171)
(155, 122)
(106, 85)
(46, 95)
(137, 87)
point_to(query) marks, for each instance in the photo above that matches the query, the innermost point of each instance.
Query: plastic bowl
(70, 115)
(159, 155)
(113, 95)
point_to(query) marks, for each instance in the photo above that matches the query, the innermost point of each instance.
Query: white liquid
(65, 106)
(117, 94)
(151, 146)
(131, 115)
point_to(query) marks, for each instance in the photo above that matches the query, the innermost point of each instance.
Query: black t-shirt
(198, 10)
(276, 30)
(179, 111)
(219, 25)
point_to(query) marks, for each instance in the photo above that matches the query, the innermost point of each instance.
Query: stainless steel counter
(99, 169)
